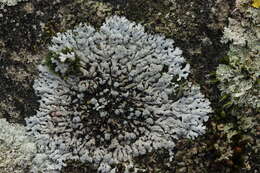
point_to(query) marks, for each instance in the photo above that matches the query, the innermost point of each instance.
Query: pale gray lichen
(239, 77)
(108, 96)
(10, 2)
(16, 148)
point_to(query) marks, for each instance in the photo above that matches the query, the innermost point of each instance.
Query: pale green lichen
(239, 77)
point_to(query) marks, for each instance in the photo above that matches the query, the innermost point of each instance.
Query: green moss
(73, 68)
(48, 61)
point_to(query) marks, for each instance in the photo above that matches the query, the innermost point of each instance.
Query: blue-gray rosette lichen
(112, 94)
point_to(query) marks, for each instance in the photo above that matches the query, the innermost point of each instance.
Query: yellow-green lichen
(256, 3)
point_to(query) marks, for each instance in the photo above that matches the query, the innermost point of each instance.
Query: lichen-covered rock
(239, 77)
(111, 95)
(16, 148)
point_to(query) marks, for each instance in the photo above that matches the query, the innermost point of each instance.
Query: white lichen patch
(110, 95)
(16, 148)
(10, 2)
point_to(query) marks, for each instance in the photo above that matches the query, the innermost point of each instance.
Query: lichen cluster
(9, 2)
(111, 95)
(16, 148)
(239, 76)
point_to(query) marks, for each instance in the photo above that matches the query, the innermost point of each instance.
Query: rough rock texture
(17, 96)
